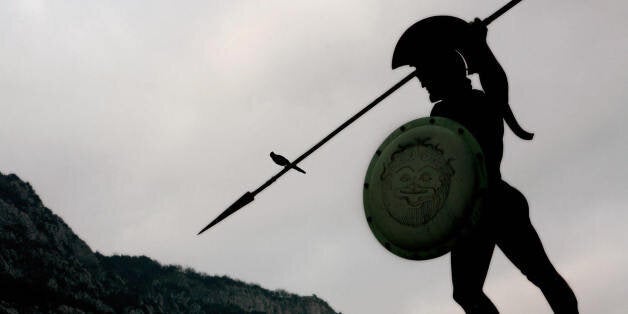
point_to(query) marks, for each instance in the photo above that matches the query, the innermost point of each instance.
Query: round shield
(424, 188)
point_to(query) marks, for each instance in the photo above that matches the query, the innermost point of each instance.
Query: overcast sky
(140, 121)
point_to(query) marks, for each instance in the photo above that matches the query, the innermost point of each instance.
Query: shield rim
(482, 181)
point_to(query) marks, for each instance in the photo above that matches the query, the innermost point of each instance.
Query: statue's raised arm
(482, 61)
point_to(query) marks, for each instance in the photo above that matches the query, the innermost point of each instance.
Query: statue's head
(442, 73)
(432, 46)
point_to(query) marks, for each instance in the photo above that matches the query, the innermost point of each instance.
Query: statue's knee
(467, 298)
(547, 278)
(540, 275)
(557, 291)
(474, 302)
(459, 297)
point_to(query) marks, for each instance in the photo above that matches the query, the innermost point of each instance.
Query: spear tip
(241, 202)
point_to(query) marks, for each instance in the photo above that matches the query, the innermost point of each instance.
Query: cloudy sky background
(139, 121)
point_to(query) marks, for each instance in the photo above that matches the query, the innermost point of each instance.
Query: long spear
(280, 160)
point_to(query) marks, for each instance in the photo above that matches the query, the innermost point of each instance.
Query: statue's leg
(518, 239)
(470, 260)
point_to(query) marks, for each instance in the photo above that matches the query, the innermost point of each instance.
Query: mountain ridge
(46, 267)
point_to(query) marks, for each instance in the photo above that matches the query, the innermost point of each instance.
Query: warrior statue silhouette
(442, 71)
(413, 204)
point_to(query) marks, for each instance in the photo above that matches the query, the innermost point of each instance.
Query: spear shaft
(501, 11)
(337, 130)
(250, 196)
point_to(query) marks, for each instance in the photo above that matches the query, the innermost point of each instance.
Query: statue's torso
(474, 110)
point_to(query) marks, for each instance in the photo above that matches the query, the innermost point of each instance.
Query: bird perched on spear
(283, 161)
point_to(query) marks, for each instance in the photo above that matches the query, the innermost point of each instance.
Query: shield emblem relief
(424, 188)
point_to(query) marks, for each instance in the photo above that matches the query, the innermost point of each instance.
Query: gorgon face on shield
(415, 186)
(416, 183)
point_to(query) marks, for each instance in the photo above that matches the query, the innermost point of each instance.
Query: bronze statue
(442, 63)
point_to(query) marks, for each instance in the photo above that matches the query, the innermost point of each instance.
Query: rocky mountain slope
(46, 268)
